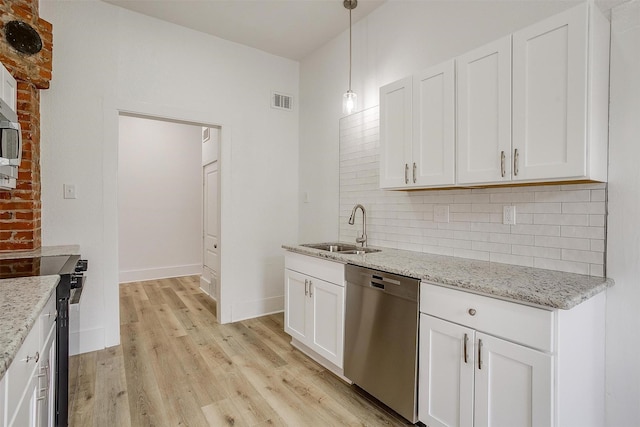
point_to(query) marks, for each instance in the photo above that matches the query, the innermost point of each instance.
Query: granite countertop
(546, 288)
(21, 301)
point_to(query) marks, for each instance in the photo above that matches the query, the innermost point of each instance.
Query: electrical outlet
(441, 213)
(509, 215)
(70, 191)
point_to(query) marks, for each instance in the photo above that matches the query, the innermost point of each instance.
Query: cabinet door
(25, 412)
(46, 383)
(550, 97)
(296, 316)
(433, 153)
(9, 88)
(446, 373)
(395, 133)
(484, 114)
(513, 384)
(327, 337)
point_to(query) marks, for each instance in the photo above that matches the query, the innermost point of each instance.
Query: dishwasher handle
(401, 286)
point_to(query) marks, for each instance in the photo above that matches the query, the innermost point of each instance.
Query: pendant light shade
(349, 99)
(349, 102)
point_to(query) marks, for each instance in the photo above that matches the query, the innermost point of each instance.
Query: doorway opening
(168, 200)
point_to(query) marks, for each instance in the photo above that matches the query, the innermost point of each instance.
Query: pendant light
(349, 99)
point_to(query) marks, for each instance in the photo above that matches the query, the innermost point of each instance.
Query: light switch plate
(70, 191)
(441, 213)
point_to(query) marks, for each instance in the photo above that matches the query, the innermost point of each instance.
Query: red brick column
(20, 209)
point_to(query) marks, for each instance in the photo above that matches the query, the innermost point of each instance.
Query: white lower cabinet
(314, 307)
(27, 387)
(476, 369)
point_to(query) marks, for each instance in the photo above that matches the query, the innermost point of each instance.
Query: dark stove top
(37, 266)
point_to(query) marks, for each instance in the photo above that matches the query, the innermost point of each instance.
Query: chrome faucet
(362, 239)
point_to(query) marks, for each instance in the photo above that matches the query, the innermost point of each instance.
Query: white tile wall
(558, 227)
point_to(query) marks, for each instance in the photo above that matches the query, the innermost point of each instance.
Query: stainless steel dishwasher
(381, 337)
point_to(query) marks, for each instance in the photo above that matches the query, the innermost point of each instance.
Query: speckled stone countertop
(21, 301)
(534, 286)
(43, 251)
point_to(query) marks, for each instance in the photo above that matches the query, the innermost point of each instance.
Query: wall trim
(160, 273)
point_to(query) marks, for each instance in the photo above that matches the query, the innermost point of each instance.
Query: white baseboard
(160, 273)
(257, 308)
(86, 341)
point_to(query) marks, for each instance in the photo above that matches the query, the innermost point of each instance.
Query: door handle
(406, 173)
(502, 160)
(310, 289)
(414, 172)
(466, 339)
(479, 354)
(516, 155)
(306, 287)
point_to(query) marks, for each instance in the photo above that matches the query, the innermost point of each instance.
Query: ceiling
(289, 28)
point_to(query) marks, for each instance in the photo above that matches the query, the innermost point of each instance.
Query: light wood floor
(177, 366)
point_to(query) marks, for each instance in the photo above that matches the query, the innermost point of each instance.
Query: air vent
(281, 101)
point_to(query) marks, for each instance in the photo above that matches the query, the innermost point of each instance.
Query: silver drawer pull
(466, 339)
(472, 311)
(479, 354)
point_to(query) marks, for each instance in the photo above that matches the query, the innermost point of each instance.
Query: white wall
(108, 59)
(623, 237)
(159, 199)
(396, 40)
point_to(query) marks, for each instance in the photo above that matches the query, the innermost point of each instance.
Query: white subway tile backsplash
(561, 219)
(526, 261)
(558, 227)
(583, 256)
(562, 242)
(559, 265)
(538, 252)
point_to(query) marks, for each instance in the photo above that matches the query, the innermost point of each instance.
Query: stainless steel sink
(360, 251)
(331, 247)
(342, 248)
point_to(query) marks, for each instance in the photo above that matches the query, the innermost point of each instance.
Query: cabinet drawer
(21, 371)
(519, 323)
(47, 318)
(329, 271)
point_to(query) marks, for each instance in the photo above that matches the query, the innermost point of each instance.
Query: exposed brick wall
(20, 209)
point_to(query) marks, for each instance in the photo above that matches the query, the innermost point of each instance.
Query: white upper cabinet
(559, 97)
(531, 107)
(395, 133)
(417, 130)
(433, 144)
(8, 88)
(484, 114)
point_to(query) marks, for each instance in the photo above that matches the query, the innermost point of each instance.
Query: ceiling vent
(281, 101)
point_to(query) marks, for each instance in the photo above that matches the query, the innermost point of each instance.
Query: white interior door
(211, 227)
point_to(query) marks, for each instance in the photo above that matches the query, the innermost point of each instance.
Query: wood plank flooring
(176, 366)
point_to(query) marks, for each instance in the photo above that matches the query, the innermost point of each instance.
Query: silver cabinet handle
(414, 172)
(472, 311)
(466, 339)
(34, 358)
(515, 162)
(406, 173)
(479, 354)
(502, 160)
(310, 289)
(306, 287)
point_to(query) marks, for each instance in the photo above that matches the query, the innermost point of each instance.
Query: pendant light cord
(350, 49)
